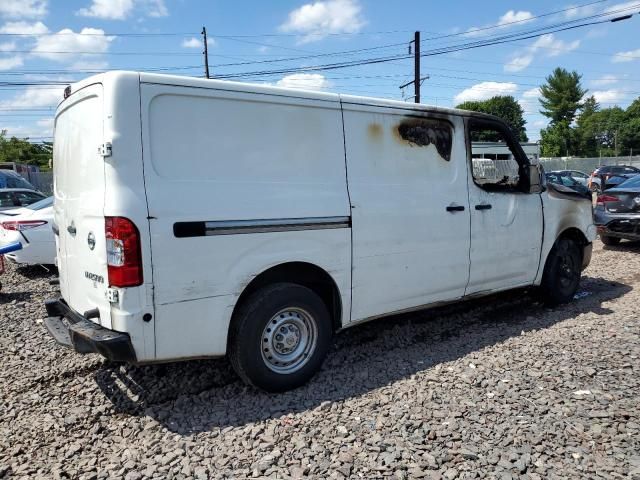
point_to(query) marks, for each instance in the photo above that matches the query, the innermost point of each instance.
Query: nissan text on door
(199, 218)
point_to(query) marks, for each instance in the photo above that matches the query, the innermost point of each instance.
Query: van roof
(184, 81)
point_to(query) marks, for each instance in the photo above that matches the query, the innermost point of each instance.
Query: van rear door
(79, 191)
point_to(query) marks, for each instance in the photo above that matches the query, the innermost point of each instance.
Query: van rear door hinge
(105, 149)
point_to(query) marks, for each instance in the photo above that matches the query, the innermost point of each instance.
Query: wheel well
(305, 274)
(576, 235)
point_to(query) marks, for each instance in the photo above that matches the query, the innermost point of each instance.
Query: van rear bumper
(85, 336)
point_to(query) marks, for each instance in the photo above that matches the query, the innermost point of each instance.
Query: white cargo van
(197, 218)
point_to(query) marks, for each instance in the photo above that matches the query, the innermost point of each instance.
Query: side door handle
(72, 229)
(455, 208)
(483, 206)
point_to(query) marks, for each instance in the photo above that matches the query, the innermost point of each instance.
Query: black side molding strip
(236, 227)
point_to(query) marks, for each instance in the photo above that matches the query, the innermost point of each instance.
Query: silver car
(617, 212)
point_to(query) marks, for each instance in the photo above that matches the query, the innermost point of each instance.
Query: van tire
(293, 309)
(610, 240)
(562, 271)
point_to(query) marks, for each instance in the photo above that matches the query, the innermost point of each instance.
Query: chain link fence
(43, 181)
(587, 165)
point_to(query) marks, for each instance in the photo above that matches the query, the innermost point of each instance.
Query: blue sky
(44, 43)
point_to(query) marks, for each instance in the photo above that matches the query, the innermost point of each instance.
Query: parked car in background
(579, 176)
(565, 178)
(11, 198)
(11, 179)
(617, 212)
(31, 226)
(612, 174)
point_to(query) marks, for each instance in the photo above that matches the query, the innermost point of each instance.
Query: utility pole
(417, 80)
(416, 66)
(206, 52)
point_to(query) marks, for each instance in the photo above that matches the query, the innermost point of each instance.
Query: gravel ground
(497, 388)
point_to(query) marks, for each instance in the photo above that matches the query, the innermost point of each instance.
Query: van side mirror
(536, 175)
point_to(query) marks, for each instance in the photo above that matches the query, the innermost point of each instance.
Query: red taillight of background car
(20, 225)
(124, 258)
(607, 199)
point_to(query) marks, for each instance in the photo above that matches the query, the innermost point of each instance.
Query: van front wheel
(279, 337)
(562, 271)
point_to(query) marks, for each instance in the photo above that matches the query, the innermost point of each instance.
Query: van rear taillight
(124, 260)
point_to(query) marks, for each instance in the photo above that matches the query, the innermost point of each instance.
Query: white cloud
(7, 63)
(23, 8)
(7, 46)
(529, 100)
(88, 40)
(623, 57)
(304, 81)
(35, 28)
(315, 21)
(605, 80)
(192, 42)
(633, 5)
(108, 9)
(46, 125)
(531, 93)
(608, 96)
(33, 97)
(510, 18)
(485, 90)
(515, 17)
(518, 63)
(551, 46)
(575, 11)
(122, 9)
(156, 8)
(555, 46)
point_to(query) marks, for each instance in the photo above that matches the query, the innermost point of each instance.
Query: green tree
(610, 131)
(22, 151)
(629, 131)
(504, 106)
(561, 96)
(556, 140)
(586, 129)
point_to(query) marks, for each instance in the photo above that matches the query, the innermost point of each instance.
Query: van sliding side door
(407, 179)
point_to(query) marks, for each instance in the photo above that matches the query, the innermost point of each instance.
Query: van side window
(422, 132)
(494, 161)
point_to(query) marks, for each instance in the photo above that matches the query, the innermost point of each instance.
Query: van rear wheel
(562, 271)
(279, 337)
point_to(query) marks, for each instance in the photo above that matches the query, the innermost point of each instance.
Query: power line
(434, 52)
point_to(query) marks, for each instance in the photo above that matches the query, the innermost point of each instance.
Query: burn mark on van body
(422, 132)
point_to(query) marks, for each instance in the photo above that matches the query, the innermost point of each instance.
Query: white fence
(587, 165)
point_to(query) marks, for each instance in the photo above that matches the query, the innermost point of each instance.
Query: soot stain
(424, 132)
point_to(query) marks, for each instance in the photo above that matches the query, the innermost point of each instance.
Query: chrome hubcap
(288, 340)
